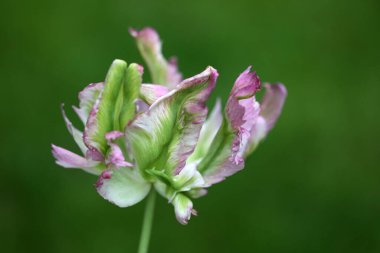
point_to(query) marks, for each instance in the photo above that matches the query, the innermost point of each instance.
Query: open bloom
(140, 136)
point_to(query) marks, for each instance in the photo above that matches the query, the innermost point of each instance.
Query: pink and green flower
(141, 137)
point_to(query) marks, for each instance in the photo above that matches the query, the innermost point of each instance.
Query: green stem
(147, 223)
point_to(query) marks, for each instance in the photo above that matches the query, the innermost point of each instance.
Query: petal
(271, 108)
(87, 98)
(150, 93)
(68, 159)
(189, 178)
(141, 106)
(115, 156)
(197, 193)
(77, 135)
(208, 132)
(149, 45)
(131, 90)
(272, 104)
(239, 104)
(104, 116)
(122, 186)
(257, 134)
(229, 144)
(165, 135)
(183, 208)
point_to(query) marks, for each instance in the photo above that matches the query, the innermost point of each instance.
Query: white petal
(122, 186)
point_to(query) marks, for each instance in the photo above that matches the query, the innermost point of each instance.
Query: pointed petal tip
(68, 159)
(53, 148)
(213, 71)
(247, 84)
(133, 32)
(146, 33)
(56, 151)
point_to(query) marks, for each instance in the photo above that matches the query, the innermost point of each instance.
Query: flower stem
(147, 223)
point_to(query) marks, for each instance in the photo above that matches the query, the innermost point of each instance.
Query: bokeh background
(313, 186)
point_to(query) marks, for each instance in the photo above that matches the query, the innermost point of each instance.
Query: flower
(140, 136)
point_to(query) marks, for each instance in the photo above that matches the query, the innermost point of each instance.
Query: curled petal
(171, 126)
(150, 93)
(149, 45)
(229, 144)
(246, 85)
(122, 186)
(271, 108)
(240, 104)
(68, 159)
(183, 208)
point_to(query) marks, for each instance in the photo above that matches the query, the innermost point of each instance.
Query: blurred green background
(313, 186)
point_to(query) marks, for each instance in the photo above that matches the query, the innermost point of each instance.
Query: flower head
(137, 136)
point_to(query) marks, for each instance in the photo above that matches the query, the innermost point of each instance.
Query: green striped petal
(165, 135)
(104, 116)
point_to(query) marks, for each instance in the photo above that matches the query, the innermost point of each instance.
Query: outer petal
(77, 135)
(104, 116)
(271, 108)
(87, 98)
(68, 159)
(122, 186)
(149, 44)
(226, 156)
(165, 135)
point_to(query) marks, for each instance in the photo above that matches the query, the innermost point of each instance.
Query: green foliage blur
(312, 186)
